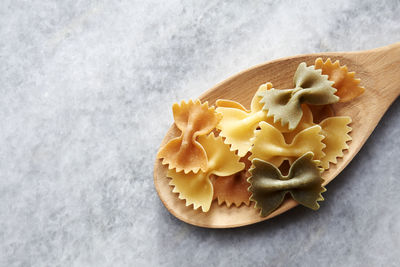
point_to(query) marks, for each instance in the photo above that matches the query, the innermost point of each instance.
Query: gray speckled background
(86, 90)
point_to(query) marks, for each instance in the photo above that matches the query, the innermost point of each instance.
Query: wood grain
(379, 71)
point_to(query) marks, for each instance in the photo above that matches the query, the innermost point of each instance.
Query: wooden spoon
(379, 71)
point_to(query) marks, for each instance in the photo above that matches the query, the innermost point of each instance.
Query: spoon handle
(383, 67)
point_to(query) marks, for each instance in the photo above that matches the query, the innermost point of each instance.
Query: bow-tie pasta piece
(184, 152)
(196, 188)
(269, 186)
(270, 145)
(233, 189)
(238, 124)
(335, 130)
(311, 87)
(347, 86)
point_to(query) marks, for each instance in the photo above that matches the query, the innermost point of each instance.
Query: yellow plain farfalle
(270, 145)
(347, 86)
(184, 152)
(335, 130)
(197, 189)
(238, 124)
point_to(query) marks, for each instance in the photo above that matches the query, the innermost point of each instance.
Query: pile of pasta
(234, 155)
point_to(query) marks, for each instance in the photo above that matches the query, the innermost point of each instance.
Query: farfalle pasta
(335, 137)
(285, 130)
(238, 124)
(346, 84)
(184, 152)
(196, 188)
(310, 87)
(269, 144)
(269, 186)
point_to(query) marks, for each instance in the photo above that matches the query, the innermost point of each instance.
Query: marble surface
(86, 90)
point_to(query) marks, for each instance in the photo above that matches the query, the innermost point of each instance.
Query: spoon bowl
(379, 71)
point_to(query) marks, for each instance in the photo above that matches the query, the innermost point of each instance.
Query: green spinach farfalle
(311, 87)
(269, 186)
